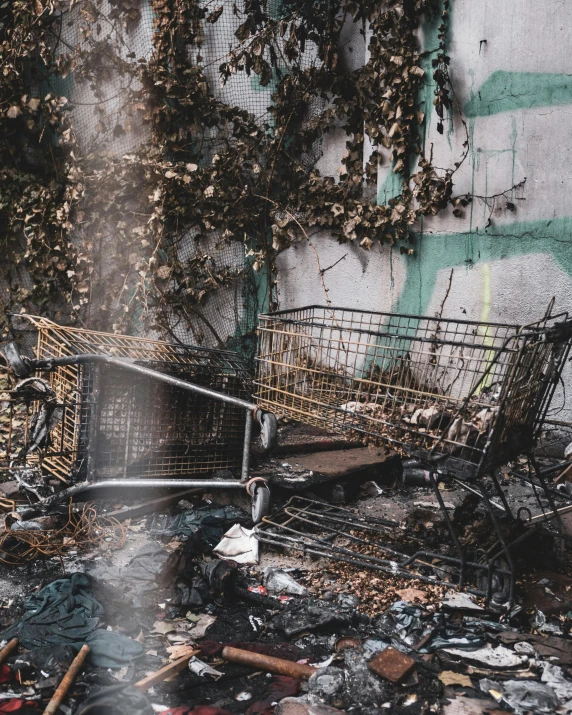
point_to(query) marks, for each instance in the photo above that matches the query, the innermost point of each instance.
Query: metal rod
(246, 446)
(465, 486)
(505, 550)
(93, 401)
(130, 483)
(50, 363)
(501, 495)
(268, 663)
(451, 528)
(279, 313)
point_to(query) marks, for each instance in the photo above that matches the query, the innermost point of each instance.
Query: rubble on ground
(187, 612)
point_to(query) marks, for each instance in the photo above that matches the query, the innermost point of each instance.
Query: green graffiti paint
(390, 188)
(508, 91)
(439, 252)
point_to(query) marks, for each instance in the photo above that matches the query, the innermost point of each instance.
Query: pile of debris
(190, 615)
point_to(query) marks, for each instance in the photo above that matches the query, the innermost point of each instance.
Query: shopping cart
(117, 411)
(459, 396)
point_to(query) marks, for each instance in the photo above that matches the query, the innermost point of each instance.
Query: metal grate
(424, 385)
(119, 424)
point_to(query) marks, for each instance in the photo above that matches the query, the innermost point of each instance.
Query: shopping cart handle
(24, 366)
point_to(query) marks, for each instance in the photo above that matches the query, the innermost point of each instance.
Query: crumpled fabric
(5, 673)
(118, 699)
(22, 707)
(65, 613)
(309, 615)
(206, 524)
(524, 696)
(281, 687)
(238, 544)
(146, 571)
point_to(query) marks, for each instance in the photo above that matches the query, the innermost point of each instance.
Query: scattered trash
(204, 526)
(57, 535)
(278, 581)
(392, 664)
(499, 657)
(261, 590)
(243, 696)
(449, 677)
(197, 667)
(522, 696)
(326, 685)
(239, 545)
(116, 700)
(308, 616)
(460, 602)
(343, 628)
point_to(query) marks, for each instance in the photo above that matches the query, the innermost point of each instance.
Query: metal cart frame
(460, 396)
(23, 367)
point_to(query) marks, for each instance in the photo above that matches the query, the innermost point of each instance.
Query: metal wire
(116, 424)
(81, 532)
(475, 391)
(339, 534)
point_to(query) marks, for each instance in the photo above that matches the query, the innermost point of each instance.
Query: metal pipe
(268, 663)
(129, 483)
(246, 447)
(50, 363)
(188, 483)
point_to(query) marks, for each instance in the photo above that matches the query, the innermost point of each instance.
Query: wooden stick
(565, 475)
(267, 663)
(67, 680)
(8, 648)
(165, 672)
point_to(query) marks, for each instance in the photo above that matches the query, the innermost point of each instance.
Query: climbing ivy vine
(84, 228)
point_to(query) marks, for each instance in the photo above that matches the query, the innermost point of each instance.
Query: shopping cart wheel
(269, 431)
(260, 502)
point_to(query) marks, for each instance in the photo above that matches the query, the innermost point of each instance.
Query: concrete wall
(512, 70)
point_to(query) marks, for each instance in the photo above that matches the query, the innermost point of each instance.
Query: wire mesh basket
(474, 392)
(112, 423)
(461, 396)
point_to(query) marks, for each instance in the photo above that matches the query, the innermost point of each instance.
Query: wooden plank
(166, 672)
(566, 475)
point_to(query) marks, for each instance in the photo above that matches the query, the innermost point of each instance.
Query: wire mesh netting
(112, 423)
(474, 391)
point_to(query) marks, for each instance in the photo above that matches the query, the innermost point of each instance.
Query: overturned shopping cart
(120, 411)
(459, 396)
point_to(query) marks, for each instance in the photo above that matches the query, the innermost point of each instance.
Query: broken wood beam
(8, 649)
(268, 663)
(166, 672)
(566, 475)
(67, 680)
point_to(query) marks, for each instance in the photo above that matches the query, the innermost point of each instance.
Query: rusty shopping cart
(459, 396)
(121, 411)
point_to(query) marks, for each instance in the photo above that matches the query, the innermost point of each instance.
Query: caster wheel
(260, 503)
(269, 431)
